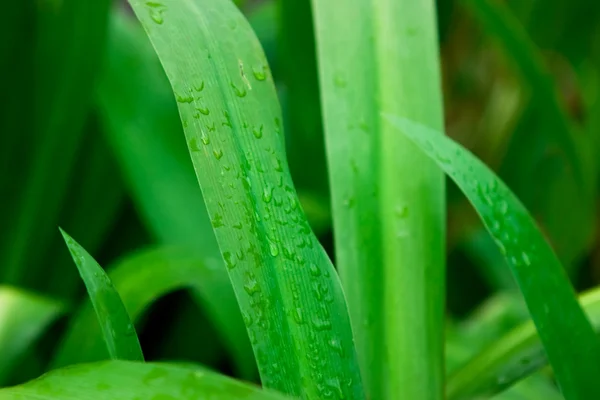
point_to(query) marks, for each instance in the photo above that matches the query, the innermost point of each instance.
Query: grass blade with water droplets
(163, 270)
(286, 287)
(387, 198)
(23, 318)
(511, 358)
(127, 380)
(118, 331)
(572, 346)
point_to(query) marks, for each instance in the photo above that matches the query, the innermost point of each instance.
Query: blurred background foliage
(90, 140)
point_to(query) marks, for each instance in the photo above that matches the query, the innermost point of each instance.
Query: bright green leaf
(387, 198)
(287, 289)
(572, 346)
(126, 380)
(119, 333)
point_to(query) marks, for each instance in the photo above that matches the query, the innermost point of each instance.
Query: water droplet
(199, 88)
(230, 262)
(320, 324)
(502, 206)
(238, 225)
(247, 319)
(217, 221)
(267, 194)
(238, 92)
(260, 73)
(203, 110)
(258, 133)
(314, 270)
(227, 119)
(336, 345)
(130, 331)
(251, 287)
(218, 153)
(273, 249)
(401, 212)
(277, 164)
(157, 17)
(297, 315)
(184, 98)
(211, 127)
(194, 145)
(526, 259)
(204, 138)
(339, 81)
(349, 202)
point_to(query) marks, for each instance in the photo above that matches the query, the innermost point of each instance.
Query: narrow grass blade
(126, 380)
(69, 40)
(287, 289)
(572, 346)
(146, 276)
(24, 317)
(508, 360)
(118, 331)
(387, 198)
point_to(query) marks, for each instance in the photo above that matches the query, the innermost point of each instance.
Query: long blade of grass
(569, 340)
(284, 282)
(24, 317)
(387, 198)
(163, 270)
(516, 355)
(118, 332)
(70, 36)
(126, 380)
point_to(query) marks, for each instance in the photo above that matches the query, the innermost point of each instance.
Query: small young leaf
(569, 340)
(145, 276)
(118, 331)
(127, 380)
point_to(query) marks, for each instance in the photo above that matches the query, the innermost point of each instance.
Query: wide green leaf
(119, 333)
(145, 276)
(127, 380)
(286, 286)
(568, 338)
(511, 358)
(387, 198)
(24, 317)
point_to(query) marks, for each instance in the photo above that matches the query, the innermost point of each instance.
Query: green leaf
(286, 287)
(511, 358)
(118, 331)
(69, 41)
(163, 270)
(126, 380)
(387, 198)
(24, 317)
(572, 346)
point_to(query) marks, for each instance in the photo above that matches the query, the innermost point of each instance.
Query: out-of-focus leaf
(126, 380)
(117, 330)
(144, 130)
(145, 276)
(69, 43)
(511, 358)
(23, 319)
(286, 287)
(572, 346)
